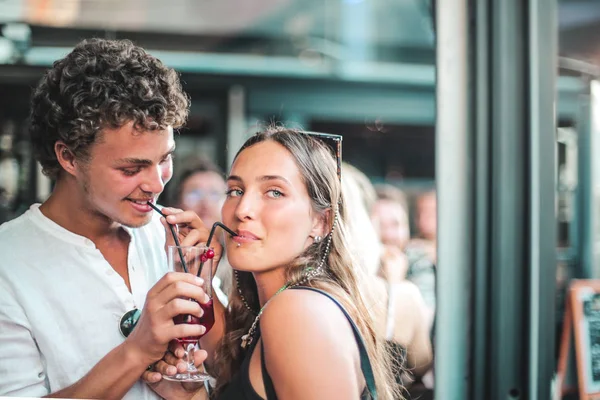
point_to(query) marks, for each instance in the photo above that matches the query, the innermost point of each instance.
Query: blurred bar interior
(365, 69)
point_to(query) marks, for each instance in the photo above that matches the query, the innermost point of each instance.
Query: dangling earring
(318, 239)
(313, 272)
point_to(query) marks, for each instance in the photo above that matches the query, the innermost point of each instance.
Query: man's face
(204, 193)
(127, 168)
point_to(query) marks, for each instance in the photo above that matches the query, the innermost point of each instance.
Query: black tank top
(240, 387)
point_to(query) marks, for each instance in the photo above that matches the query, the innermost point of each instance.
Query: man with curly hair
(102, 122)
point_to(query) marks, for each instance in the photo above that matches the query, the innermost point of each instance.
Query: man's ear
(321, 224)
(65, 157)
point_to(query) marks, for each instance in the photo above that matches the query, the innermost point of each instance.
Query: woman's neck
(268, 283)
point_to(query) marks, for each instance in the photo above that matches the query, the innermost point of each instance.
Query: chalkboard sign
(582, 329)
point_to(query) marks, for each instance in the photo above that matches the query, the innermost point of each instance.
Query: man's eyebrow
(142, 161)
(137, 161)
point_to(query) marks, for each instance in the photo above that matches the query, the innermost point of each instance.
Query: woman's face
(392, 222)
(268, 206)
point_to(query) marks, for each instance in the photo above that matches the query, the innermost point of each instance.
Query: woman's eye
(234, 193)
(275, 193)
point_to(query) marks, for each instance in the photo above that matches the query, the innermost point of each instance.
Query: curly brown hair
(102, 84)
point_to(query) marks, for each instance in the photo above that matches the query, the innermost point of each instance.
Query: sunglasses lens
(334, 142)
(128, 321)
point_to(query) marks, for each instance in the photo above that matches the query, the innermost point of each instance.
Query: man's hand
(155, 329)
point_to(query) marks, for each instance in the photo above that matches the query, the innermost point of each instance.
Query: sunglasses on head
(334, 143)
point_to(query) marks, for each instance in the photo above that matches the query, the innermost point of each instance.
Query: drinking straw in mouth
(174, 236)
(209, 253)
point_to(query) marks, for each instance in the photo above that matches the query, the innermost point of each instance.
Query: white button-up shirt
(61, 302)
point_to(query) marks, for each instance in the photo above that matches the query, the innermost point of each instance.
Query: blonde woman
(298, 326)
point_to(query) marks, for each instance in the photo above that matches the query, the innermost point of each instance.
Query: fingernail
(203, 329)
(199, 281)
(171, 370)
(170, 218)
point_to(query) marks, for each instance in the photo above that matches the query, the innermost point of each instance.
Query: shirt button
(89, 243)
(109, 272)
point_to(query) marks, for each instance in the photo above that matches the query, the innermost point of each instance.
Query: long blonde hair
(340, 275)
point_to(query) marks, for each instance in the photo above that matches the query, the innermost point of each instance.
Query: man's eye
(167, 159)
(130, 171)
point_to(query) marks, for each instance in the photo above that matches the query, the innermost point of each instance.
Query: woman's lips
(245, 237)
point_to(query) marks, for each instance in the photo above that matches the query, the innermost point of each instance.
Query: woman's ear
(65, 157)
(321, 225)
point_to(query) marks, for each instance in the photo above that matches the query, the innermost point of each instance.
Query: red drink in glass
(207, 320)
(194, 260)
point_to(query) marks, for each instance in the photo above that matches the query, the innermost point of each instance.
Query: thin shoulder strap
(267, 381)
(365, 364)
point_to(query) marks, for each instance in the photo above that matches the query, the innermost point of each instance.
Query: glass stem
(189, 357)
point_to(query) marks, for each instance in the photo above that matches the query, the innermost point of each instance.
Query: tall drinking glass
(195, 258)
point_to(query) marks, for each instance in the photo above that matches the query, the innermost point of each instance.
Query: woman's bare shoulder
(295, 307)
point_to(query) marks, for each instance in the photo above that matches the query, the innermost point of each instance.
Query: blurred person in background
(400, 312)
(421, 250)
(76, 270)
(201, 188)
(405, 258)
(389, 214)
(426, 224)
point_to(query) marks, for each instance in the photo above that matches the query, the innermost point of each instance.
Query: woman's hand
(190, 230)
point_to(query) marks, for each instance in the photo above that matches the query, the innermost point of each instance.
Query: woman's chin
(241, 266)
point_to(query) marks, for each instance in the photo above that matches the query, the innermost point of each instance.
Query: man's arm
(21, 367)
(111, 378)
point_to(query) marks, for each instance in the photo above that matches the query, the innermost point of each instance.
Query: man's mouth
(141, 202)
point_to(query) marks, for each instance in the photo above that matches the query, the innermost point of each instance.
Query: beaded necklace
(248, 337)
(310, 273)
